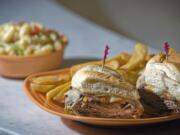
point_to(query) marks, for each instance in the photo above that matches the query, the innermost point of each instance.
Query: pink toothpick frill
(106, 51)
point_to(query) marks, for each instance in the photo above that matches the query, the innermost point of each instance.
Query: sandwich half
(159, 85)
(102, 92)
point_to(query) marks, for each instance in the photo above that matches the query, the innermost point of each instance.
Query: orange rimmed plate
(54, 108)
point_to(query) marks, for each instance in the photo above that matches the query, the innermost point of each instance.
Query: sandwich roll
(94, 79)
(161, 78)
(102, 92)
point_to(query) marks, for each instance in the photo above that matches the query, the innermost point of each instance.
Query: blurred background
(150, 21)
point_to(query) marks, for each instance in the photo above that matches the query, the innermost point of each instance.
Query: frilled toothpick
(105, 55)
(166, 49)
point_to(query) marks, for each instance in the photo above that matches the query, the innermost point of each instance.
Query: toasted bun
(161, 77)
(93, 79)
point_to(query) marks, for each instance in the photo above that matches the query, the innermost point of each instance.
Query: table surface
(18, 115)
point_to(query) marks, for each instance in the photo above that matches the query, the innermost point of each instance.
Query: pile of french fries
(128, 65)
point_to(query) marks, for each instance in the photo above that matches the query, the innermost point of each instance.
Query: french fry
(51, 80)
(143, 64)
(129, 76)
(122, 58)
(51, 94)
(41, 88)
(114, 64)
(125, 57)
(138, 57)
(61, 93)
(132, 77)
(65, 77)
(149, 56)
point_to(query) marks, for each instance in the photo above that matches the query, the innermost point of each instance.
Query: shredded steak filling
(106, 110)
(161, 104)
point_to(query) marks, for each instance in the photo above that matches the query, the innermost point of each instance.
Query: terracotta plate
(52, 107)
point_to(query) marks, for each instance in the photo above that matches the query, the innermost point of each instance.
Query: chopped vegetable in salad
(24, 39)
